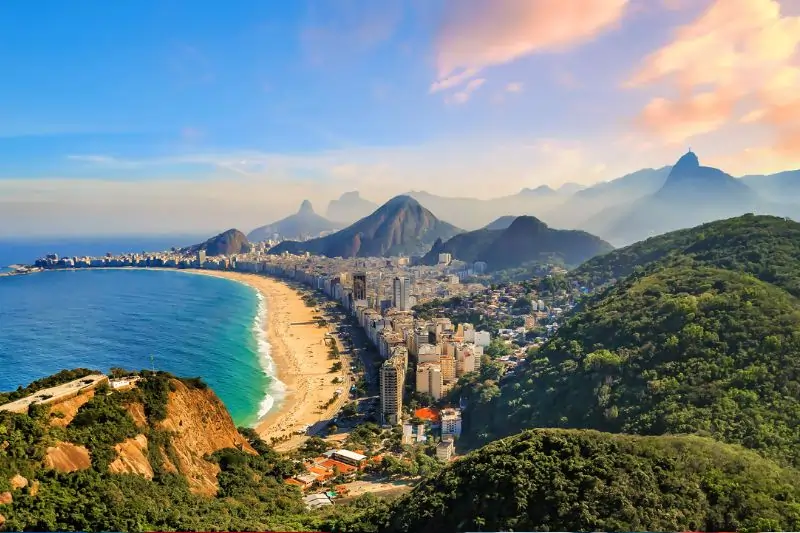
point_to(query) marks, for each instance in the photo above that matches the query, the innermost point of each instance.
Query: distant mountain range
(303, 224)
(349, 208)
(400, 226)
(228, 242)
(692, 194)
(526, 240)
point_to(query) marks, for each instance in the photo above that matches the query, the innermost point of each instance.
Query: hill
(228, 242)
(349, 208)
(525, 240)
(400, 226)
(767, 247)
(301, 225)
(555, 480)
(162, 456)
(683, 349)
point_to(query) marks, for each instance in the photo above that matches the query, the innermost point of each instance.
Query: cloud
(461, 97)
(514, 87)
(736, 62)
(476, 34)
(676, 121)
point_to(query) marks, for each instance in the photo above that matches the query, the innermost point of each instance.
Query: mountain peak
(306, 208)
(402, 200)
(526, 223)
(351, 195)
(541, 189)
(688, 161)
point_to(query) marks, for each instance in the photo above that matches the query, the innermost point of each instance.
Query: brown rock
(69, 408)
(201, 426)
(34, 490)
(2, 521)
(132, 458)
(6, 498)
(67, 457)
(136, 411)
(18, 482)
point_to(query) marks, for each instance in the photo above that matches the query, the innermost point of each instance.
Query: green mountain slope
(767, 247)
(554, 480)
(681, 350)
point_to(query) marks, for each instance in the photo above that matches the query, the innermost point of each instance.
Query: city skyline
(175, 117)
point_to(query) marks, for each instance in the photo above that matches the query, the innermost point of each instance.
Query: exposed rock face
(67, 457)
(69, 409)
(132, 458)
(136, 410)
(18, 482)
(6, 498)
(201, 426)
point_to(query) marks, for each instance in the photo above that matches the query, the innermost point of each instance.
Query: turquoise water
(192, 325)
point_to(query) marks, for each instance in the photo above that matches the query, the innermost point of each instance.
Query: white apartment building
(451, 422)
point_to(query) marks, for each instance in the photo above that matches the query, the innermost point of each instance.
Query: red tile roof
(426, 413)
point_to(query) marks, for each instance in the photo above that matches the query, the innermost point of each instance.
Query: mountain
(303, 224)
(700, 337)
(764, 246)
(570, 188)
(501, 223)
(400, 226)
(778, 187)
(526, 239)
(557, 480)
(473, 213)
(349, 208)
(630, 186)
(692, 194)
(228, 242)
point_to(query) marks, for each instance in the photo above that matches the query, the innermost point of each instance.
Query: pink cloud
(514, 87)
(477, 34)
(735, 54)
(463, 96)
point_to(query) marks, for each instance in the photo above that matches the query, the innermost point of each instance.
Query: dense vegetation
(556, 480)
(765, 246)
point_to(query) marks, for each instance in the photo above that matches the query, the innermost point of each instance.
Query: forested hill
(765, 246)
(555, 480)
(680, 350)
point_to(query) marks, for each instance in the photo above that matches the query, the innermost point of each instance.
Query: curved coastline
(297, 349)
(292, 352)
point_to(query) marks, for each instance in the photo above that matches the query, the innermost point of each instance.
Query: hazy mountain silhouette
(691, 195)
(349, 208)
(400, 226)
(526, 240)
(303, 224)
(473, 213)
(228, 242)
(502, 222)
(780, 187)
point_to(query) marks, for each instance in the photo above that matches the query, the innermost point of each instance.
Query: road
(55, 394)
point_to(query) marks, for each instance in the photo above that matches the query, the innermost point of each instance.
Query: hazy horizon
(151, 118)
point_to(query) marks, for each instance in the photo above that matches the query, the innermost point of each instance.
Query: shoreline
(297, 351)
(300, 356)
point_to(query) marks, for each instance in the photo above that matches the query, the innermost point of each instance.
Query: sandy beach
(301, 358)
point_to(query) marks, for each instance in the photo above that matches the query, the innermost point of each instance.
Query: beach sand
(301, 359)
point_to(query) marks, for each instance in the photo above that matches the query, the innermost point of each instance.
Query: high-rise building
(451, 422)
(392, 382)
(201, 258)
(360, 286)
(429, 380)
(401, 292)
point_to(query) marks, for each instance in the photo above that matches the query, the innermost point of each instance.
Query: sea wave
(276, 389)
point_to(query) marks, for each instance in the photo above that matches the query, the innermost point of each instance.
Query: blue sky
(193, 113)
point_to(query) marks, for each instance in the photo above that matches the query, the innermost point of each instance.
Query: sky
(190, 116)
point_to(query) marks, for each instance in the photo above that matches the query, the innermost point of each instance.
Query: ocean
(191, 325)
